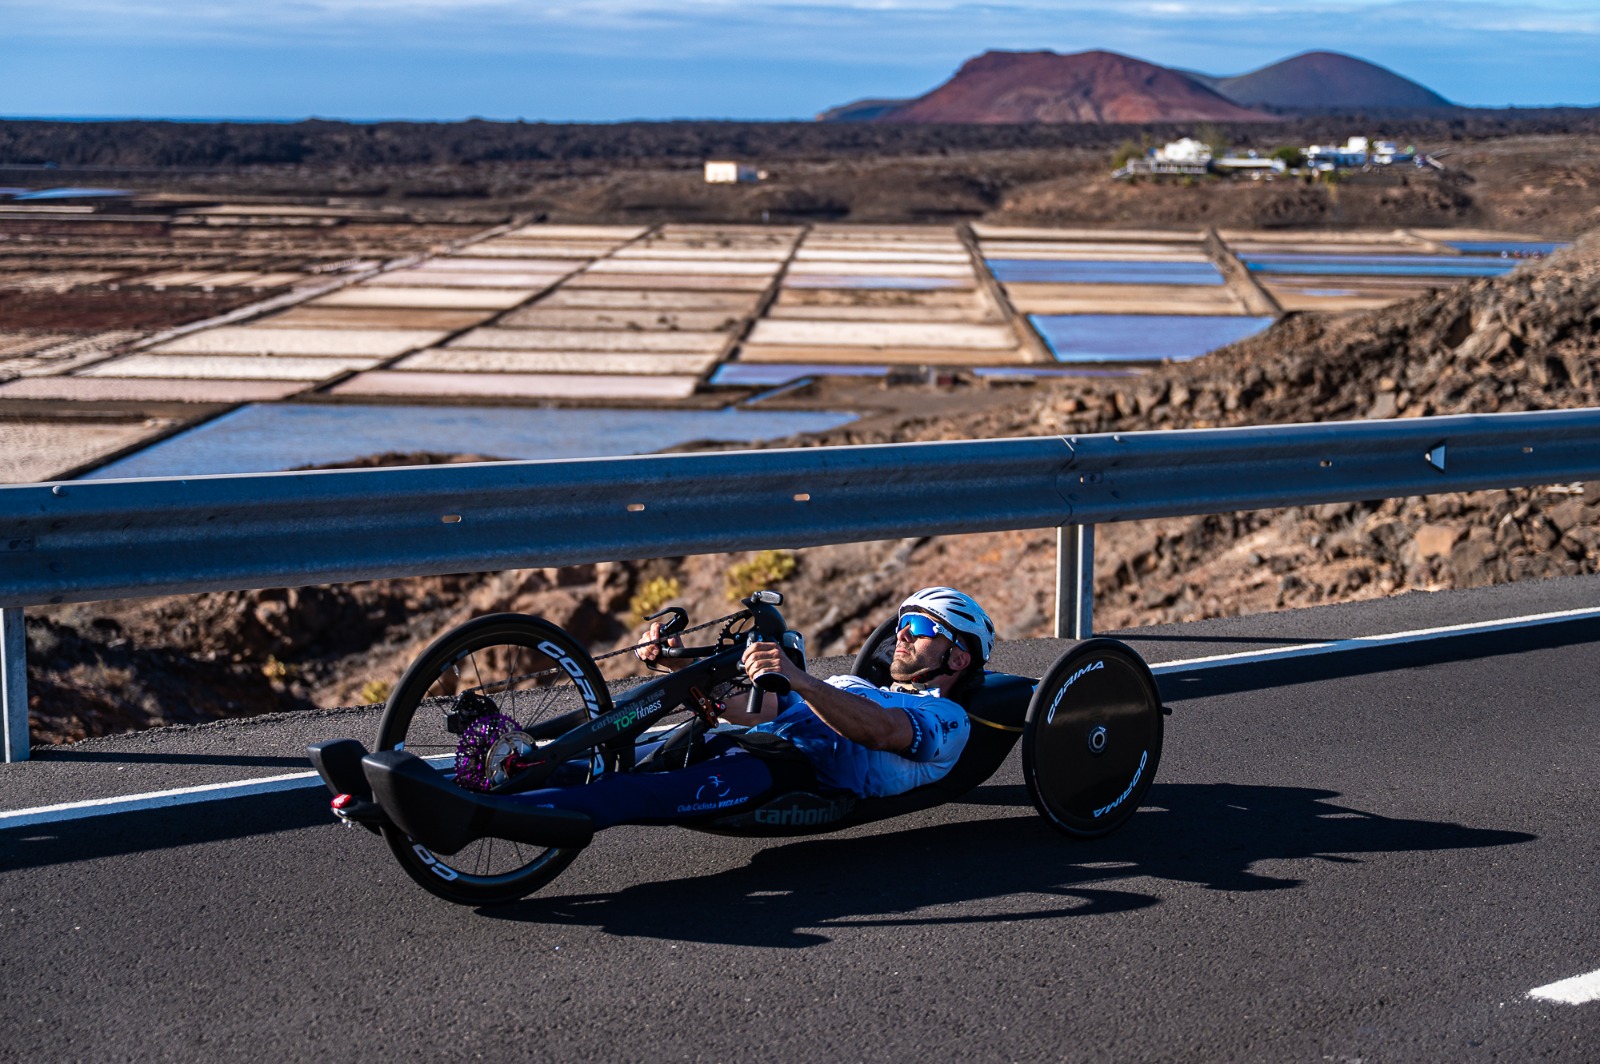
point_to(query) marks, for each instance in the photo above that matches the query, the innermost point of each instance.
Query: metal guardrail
(89, 540)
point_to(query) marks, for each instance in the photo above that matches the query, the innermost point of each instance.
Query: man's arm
(858, 719)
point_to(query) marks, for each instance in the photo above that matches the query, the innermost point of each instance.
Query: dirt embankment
(1529, 340)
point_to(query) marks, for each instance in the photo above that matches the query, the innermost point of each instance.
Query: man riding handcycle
(502, 751)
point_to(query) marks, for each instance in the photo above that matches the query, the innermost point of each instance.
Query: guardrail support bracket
(1074, 581)
(14, 684)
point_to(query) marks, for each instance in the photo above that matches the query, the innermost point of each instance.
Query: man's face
(914, 655)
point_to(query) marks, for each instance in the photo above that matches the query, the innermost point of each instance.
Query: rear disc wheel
(1092, 738)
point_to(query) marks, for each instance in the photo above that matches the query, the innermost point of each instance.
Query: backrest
(872, 662)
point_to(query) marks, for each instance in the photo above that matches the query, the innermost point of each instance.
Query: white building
(1186, 150)
(729, 173)
(1251, 164)
(1333, 157)
(1386, 152)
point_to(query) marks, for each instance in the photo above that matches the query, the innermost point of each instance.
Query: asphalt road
(1367, 857)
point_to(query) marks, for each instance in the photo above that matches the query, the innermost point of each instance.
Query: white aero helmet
(958, 611)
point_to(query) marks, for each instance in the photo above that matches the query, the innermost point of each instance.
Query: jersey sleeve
(939, 728)
(938, 725)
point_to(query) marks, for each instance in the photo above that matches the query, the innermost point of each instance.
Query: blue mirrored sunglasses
(921, 626)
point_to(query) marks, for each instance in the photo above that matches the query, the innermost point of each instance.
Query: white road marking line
(210, 792)
(133, 803)
(1369, 642)
(213, 792)
(1578, 990)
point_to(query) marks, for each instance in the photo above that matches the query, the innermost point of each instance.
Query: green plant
(768, 567)
(652, 595)
(374, 691)
(1126, 152)
(1213, 137)
(1292, 157)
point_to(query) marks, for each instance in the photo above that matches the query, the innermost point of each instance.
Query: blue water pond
(268, 438)
(1380, 265)
(1062, 271)
(1512, 248)
(1140, 337)
(764, 374)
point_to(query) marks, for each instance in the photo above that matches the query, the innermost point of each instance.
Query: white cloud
(847, 47)
(87, 17)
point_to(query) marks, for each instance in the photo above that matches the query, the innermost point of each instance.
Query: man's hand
(759, 658)
(859, 719)
(650, 653)
(762, 658)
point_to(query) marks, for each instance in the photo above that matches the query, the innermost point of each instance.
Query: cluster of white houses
(1190, 156)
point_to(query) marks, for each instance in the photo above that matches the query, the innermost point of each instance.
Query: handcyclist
(844, 733)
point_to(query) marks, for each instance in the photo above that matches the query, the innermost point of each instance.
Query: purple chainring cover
(472, 751)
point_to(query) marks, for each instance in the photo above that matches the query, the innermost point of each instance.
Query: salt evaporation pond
(764, 374)
(268, 438)
(1506, 247)
(1030, 372)
(831, 280)
(1140, 337)
(1380, 265)
(1067, 271)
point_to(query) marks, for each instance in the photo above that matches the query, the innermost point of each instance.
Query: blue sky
(603, 60)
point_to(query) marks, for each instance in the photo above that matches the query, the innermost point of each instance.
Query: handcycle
(509, 702)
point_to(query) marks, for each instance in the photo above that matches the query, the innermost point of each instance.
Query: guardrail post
(14, 684)
(1074, 581)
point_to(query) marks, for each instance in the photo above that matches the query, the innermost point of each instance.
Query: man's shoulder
(859, 685)
(850, 679)
(891, 696)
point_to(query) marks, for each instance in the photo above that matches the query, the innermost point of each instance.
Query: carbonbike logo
(803, 817)
(572, 669)
(1123, 797)
(1093, 666)
(712, 795)
(443, 871)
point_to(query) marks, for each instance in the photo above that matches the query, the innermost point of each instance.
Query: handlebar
(690, 652)
(767, 627)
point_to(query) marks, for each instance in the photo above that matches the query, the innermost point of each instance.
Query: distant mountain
(1093, 87)
(859, 111)
(1328, 81)
(1104, 87)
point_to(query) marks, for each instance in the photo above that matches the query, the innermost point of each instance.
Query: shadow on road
(161, 829)
(1262, 676)
(1209, 834)
(125, 757)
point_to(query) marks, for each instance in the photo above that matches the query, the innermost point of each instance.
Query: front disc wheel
(455, 701)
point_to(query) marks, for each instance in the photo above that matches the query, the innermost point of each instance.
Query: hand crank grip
(773, 681)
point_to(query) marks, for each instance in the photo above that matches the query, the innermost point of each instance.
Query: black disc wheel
(1092, 738)
(462, 687)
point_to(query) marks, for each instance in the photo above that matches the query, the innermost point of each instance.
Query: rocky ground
(1529, 340)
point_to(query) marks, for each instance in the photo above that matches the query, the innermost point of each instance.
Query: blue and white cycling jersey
(939, 725)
